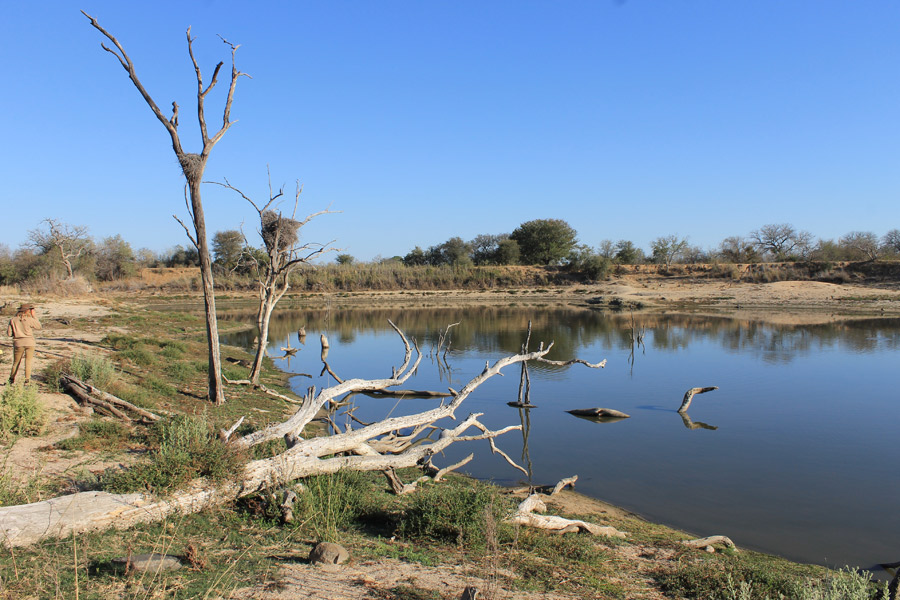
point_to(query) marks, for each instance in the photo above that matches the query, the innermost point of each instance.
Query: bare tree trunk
(192, 166)
(215, 389)
(69, 272)
(266, 307)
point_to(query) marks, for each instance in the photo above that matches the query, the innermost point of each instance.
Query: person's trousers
(18, 354)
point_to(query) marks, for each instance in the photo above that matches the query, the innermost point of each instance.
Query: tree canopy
(544, 241)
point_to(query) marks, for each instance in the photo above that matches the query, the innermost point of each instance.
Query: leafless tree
(284, 253)
(193, 166)
(782, 241)
(863, 243)
(736, 249)
(69, 241)
(891, 240)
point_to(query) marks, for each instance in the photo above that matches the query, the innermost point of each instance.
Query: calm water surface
(795, 454)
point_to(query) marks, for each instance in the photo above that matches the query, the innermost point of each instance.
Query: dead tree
(193, 166)
(284, 252)
(381, 446)
(68, 241)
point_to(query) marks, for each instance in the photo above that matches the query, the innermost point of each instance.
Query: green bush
(455, 511)
(185, 448)
(95, 369)
(20, 413)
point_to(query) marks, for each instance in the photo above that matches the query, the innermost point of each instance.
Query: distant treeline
(59, 252)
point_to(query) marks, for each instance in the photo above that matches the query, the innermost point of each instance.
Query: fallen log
(99, 405)
(105, 397)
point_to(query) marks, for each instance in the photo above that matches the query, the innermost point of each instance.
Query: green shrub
(455, 511)
(20, 413)
(185, 448)
(95, 369)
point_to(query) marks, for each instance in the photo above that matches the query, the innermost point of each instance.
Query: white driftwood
(562, 483)
(349, 450)
(525, 516)
(708, 542)
(689, 396)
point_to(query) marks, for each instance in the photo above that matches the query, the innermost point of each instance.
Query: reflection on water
(793, 454)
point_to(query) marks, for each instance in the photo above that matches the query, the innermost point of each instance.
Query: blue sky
(423, 120)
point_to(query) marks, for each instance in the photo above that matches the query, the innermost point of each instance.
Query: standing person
(21, 329)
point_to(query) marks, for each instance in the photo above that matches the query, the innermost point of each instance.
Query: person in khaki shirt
(21, 329)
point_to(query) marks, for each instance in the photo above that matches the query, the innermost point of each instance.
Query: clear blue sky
(422, 120)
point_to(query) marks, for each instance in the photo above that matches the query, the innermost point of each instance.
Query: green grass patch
(97, 435)
(181, 371)
(139, 356)
(159, 386)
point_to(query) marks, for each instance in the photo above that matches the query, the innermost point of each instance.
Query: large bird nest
(191, 165)
(280, 230)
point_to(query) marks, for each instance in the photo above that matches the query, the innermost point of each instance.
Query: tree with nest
(192, 165)
(283, 254)
(68, 241)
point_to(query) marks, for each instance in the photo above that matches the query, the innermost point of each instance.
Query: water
(795, 454)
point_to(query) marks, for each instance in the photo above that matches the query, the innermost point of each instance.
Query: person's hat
(26, 307)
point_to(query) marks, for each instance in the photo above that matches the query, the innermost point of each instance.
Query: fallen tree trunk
(351, 450)
(708, 542)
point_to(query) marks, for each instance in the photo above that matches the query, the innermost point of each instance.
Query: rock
(470, 593)
(329, 554)
(148, 562)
